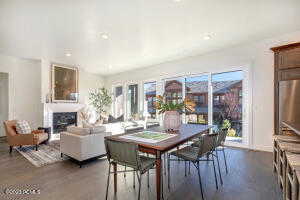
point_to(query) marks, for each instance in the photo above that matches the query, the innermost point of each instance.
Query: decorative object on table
(64, 83)
(100, 99)
(172, 119)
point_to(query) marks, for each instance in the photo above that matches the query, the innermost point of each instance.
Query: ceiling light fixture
(207, 37)
(68, 54)
(104, 36)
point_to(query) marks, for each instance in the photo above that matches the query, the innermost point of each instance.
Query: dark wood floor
(250, 177)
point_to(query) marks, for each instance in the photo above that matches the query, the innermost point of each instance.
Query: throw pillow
(23, 127)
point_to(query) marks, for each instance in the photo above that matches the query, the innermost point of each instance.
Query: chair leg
(10, 149)
(185, 168)
(148, 179)
(108, 179)
(140, 184)
(36, 147)
(200, 182)
(225, 160)
(216, 180)
(189, 167)
(133, 179)
(169, 172)
(125, 172)
(165, 165)
(217, 155)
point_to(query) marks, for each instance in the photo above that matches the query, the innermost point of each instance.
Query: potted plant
(171, 118)
(100, 100)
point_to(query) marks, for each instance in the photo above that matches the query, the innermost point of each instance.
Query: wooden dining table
(185, 133)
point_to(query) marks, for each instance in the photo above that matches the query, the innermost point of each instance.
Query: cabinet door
(289, 74)
(289, 58)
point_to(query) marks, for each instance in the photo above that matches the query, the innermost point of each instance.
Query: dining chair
(127, 154)
(220, 145)
(194, 154)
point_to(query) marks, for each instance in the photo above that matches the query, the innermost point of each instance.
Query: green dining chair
(220, 145)
(196, 154)
(127, 154)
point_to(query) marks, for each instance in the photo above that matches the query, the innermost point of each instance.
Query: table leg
(115, 176)
(158, 176)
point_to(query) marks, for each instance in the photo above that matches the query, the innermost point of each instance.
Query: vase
(172, 120)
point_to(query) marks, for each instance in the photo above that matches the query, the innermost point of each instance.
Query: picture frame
(64, 83)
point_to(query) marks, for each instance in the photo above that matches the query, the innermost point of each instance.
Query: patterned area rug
(46, 154)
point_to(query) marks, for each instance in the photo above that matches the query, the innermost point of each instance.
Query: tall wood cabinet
(286, 67)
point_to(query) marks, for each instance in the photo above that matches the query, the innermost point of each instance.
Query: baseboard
(264, 148)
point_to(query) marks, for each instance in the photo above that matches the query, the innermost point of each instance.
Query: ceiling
(140, 32)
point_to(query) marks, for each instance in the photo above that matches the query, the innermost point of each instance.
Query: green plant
(100, 99)
(226, 124)
(162, 105)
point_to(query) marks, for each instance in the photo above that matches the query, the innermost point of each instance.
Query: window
(173, 90)
(227, 103)
(150, 98)
(196, 88)
(118, 103)
(132, 102)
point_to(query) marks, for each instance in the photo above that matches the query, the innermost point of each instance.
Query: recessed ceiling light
(104, 36)
(177, 0)
(109, 66)
(68, 54)
(207, 37)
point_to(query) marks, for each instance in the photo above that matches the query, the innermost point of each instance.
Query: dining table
(185, 133)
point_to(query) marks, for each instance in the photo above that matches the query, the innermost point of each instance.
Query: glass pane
(132, 104)
(150, 98)
(196, 89)
(173, 90)
(227, 103)
(119, 108)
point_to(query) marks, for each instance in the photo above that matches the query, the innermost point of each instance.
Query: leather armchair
(36, 137)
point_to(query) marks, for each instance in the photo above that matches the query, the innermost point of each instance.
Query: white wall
(86, 82)
(256, 55)
(24, 88)
(3, 101)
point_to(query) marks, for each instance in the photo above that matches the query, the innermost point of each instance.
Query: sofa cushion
(23, 127)
(78, 130)
(97, 129)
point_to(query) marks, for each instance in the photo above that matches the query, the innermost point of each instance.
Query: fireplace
(61, 120)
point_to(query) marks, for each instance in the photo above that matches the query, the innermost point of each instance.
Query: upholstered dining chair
(195, 153)
(127, 154)
(35, 138)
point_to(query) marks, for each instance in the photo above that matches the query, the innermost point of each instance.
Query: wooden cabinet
(290, 74)
(286, 67)
(289, 58)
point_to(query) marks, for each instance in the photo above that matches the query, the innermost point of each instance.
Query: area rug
(46, 154)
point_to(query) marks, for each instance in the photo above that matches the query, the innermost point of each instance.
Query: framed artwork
(64, 83)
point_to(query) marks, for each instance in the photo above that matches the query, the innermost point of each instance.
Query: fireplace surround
(61, 120)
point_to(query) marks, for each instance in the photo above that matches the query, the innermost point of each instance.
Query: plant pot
(172, 120)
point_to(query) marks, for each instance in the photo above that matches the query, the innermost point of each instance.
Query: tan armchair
(36, 137)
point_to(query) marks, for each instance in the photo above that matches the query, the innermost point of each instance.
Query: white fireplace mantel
(50, 108)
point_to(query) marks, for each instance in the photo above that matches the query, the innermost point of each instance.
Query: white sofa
(83, 143)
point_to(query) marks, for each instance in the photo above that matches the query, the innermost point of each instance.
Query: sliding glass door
(132, 102)
(227, 89)
(220, 101)
(119, 103)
